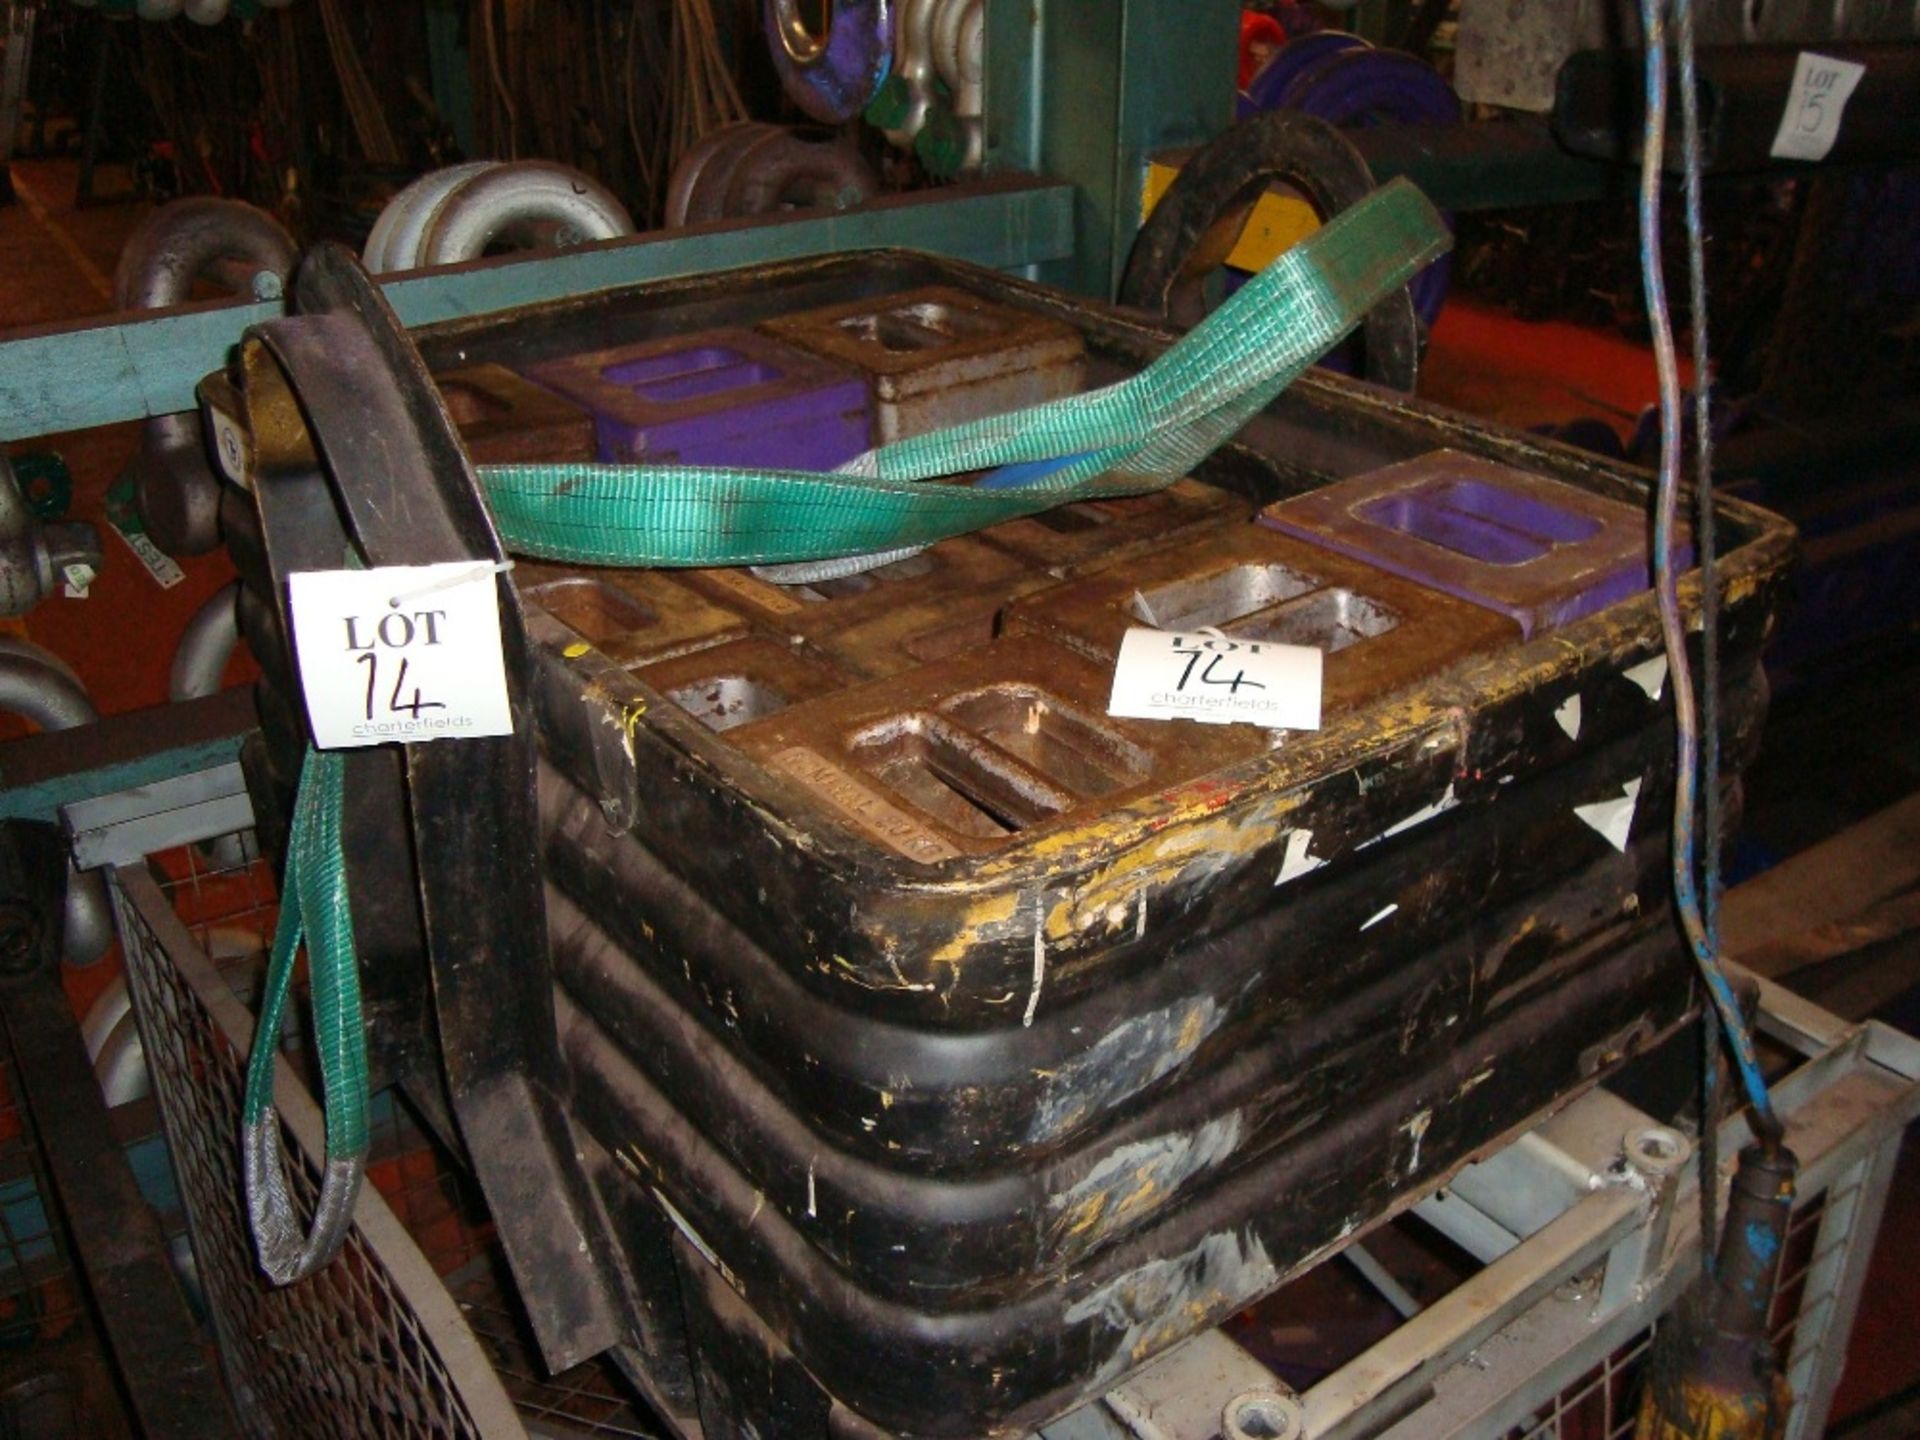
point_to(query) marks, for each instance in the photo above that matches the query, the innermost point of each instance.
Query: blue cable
(1666, 588)
(1703, 529)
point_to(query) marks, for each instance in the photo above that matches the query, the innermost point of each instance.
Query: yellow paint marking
(1279, 220)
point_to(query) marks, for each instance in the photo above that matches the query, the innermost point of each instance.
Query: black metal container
(984, 1045)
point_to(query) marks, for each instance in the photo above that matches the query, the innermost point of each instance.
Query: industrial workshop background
(960, 718)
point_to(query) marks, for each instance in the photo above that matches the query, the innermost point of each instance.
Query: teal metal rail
(116, 368)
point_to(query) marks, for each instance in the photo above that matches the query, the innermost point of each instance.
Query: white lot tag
(1819, 94)
(406, 652)
(1206, 676)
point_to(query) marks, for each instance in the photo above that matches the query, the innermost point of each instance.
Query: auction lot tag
(401, 653)
(1218, 680)
(1815, 102)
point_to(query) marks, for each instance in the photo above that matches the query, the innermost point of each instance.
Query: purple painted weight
(1534, 549)
(725, 397)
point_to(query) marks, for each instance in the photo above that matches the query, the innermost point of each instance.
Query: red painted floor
(1527, 374)
(56, 264)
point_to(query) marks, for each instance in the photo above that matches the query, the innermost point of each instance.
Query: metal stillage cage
(1584, 1229)
(374, 1345)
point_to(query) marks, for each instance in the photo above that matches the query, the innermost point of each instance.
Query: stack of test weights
(984, 1043)
(968, 1025)
(980, 1043)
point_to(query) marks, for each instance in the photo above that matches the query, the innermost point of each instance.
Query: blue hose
(1703, 943)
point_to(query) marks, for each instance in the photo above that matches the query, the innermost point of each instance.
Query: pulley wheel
(1359, 88)
(1271, 80)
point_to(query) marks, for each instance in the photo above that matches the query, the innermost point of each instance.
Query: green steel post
(1085, 90)
(447, 63)
(1013, 99)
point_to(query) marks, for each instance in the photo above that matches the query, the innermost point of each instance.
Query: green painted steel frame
(447, 64)
(42, 774)
(1087, 89)
(117, 368)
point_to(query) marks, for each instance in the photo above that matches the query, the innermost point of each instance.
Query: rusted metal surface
(1098, 533)
(1381, 634)
(1188, 842)
(995, 742)
(938, 355)
(903, 616)
(504, 418)
(634, 617)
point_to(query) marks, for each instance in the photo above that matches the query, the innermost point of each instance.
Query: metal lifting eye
(800, 43)
(835, 76)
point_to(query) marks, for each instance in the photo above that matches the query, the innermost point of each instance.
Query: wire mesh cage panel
(1601, 1404)
(1570, 1366)
(1822, 1247)
(1568, 1253)
(1824, 1265)
(372, 1344)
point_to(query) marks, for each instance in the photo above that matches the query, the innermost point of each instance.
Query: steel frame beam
(122, 829)
(1585, 1252)
(1087, 90)
(130, 754)
(170, 1385)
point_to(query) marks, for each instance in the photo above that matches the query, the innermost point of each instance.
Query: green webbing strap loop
(1134, 437)
(313, 908)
